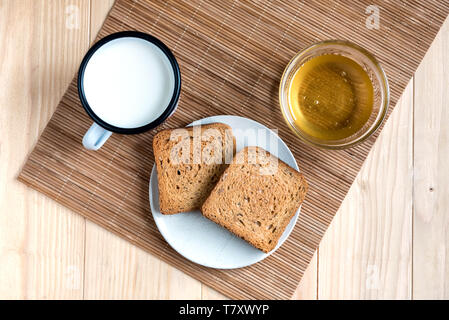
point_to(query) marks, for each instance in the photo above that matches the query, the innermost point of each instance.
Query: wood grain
(41, 242)
(366, 252)
(94, 184)
(308, 287)
(98, 12)
(431, 188)
(115, 269)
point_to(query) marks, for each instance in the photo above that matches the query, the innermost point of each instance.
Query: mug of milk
(128, 82)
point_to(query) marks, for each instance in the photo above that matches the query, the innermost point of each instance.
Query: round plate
(201, 240)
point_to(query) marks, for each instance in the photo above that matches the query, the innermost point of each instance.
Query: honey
(330, 97)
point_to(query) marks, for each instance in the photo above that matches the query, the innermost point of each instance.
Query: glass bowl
(375, 72)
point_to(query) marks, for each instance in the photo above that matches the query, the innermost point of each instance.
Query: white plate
(201, 240)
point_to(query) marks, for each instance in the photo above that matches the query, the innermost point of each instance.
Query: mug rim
(170, 108)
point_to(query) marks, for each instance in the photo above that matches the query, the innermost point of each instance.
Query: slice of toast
(256, 197)
(189, 162)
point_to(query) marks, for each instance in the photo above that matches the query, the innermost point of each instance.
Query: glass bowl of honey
(334, 94)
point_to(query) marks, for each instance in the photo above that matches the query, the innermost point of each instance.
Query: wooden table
(390, 238)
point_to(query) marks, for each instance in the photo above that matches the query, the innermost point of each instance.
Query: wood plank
(431, 150)
(116, 269)
(126, 272)
(98, 13)
(308, 287)
(366, 252)
(41, 242)
(208, 293)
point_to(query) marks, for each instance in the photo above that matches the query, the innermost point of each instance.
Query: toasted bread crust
(184, 185)
(256, 197)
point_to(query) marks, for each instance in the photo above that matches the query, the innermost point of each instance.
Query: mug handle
(95, 137)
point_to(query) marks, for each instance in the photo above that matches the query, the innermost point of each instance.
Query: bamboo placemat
(232, 55)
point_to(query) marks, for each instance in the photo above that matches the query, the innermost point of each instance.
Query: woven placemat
(232, 55)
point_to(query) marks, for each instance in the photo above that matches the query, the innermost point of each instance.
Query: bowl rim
(334, 144)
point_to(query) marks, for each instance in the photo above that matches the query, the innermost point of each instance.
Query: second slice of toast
(256, 197)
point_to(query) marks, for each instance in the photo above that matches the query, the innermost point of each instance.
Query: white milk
(128, 82)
